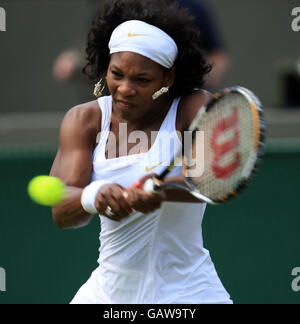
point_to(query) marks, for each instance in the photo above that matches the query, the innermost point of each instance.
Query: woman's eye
(116, 74)
(144, 80)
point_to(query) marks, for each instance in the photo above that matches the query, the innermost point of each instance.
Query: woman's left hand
(143, 201)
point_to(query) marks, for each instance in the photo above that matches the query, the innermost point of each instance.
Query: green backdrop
(253, 240)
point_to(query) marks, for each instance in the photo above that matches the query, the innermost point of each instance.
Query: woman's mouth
(124, 104)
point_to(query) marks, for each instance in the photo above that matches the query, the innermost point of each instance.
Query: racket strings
(228, 152)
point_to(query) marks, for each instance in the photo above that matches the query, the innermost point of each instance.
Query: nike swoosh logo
(135, 35)
(152, 168)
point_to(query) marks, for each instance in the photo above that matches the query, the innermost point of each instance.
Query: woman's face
(132, 80)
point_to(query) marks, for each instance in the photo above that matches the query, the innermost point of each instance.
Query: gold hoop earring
(160, 92)
(99, 88)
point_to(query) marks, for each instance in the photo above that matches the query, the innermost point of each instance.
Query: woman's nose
(126, 89)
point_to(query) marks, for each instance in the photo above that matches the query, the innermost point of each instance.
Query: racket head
(233, 129)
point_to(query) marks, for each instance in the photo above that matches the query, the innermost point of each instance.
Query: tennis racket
(232, 128)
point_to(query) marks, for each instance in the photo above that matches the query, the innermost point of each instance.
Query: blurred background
(253, 240)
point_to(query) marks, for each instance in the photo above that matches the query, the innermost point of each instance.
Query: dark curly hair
(167, 15)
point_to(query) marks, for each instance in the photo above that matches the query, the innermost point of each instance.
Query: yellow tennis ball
(46, 190)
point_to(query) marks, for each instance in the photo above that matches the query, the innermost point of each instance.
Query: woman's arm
(178, 195)
(73, 162)
(172, 195)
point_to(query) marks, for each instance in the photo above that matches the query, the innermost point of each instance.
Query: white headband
(144, 39)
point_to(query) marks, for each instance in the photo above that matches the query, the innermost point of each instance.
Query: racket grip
(149, 185)
(152, 185)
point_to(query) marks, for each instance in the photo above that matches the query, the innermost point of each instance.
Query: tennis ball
(46, 190)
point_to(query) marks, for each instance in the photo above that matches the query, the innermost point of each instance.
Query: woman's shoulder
(82, 121)
(86, 114)
(190, 105)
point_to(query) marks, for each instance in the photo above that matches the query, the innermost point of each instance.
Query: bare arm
(73, 163)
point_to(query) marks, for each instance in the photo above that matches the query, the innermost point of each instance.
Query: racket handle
(152, 185)
(149, 185)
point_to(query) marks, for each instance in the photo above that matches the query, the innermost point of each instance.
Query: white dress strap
(105, 105)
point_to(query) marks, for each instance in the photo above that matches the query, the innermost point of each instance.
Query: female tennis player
(151, 243)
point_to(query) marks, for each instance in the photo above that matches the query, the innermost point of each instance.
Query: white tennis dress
(155, 258)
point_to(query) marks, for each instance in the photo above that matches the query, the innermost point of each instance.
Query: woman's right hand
(111, 198)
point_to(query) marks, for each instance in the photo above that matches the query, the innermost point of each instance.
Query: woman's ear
(170, 77)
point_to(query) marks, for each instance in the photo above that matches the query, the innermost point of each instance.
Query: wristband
(89, 195)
